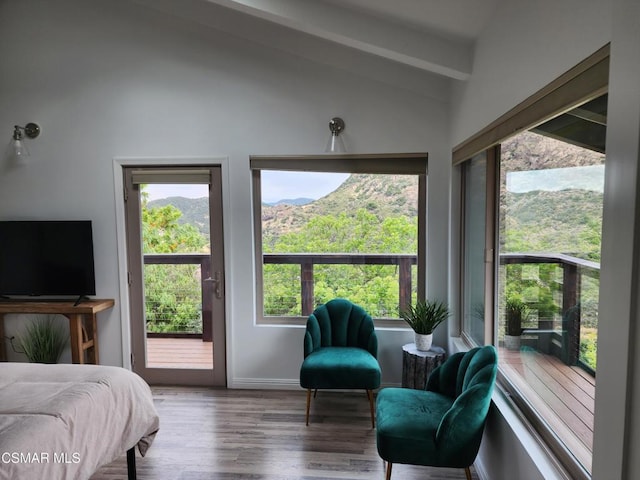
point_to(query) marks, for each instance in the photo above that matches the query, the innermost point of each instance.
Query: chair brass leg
(467, 472)
(388, 477)
(370, 396)
(308, 404)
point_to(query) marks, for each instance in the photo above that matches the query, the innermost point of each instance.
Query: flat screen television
(47, 258)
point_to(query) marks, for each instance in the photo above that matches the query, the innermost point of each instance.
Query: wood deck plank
(565, 383)
(179, 353)
(556, 397)
(575, 375)
(561, 428)
(564, 396)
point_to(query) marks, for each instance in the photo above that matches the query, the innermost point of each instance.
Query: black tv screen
(46, 258)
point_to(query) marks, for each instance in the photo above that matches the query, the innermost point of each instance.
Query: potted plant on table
(515, 311)
(423, 318)
(42, 341)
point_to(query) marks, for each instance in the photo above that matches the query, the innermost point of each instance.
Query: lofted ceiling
(416, 39)
(464, 19)
(417, 44)
(432, 35)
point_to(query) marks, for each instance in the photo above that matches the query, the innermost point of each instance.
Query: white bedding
(65, 421)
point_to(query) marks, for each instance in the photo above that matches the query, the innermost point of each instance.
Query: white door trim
(125, 321)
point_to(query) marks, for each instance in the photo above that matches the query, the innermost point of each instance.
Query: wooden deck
(563, 395)
(179, 353)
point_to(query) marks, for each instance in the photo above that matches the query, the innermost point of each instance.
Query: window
(478, 176)
(549, 242)
(539, 244)
(347, 226)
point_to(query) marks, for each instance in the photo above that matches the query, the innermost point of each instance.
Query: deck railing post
(404, 283)
(571, 313)
(574, 269)
(308, 260)
(306, 287)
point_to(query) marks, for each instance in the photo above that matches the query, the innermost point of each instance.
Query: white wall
(109, 79)
(527, 45)
(617, 422)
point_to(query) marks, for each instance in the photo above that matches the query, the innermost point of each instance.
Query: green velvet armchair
(441, 426)
(340, 350)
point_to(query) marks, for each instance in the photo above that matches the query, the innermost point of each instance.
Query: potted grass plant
(43, 340)
(423, 318)
(515, 311)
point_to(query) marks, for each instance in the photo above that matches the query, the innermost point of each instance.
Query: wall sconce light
(336, 144)
(17, 152)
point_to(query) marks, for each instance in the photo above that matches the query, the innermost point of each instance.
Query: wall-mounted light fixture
(336, 144)
(17, 152)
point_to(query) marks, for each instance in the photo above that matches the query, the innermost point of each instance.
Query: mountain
(532, 151)
(195, 211)
(541, 215)
(289, 201)
(382, 195)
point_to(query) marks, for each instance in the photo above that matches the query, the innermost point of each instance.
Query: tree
(172, 292)
(373, 286)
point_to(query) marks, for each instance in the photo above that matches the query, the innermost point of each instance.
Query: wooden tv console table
(82, 323)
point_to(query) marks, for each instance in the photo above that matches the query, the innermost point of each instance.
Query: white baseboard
(480, 470)
(275, 384)
(264, 383)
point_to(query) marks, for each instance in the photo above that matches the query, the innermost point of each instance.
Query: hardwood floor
(261, 435)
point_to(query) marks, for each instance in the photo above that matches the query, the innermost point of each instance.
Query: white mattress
(65, 421)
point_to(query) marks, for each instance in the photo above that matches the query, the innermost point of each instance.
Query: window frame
(392, 164)
(584, 82)
(492, 159)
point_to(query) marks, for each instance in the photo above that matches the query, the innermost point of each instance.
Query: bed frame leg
(131, 463)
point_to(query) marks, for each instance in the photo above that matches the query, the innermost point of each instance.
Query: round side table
(418, 365)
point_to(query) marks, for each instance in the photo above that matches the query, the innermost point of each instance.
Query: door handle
(216, 281)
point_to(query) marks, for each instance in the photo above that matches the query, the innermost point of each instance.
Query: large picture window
(350, 227)
(540, 246)
(550, 215)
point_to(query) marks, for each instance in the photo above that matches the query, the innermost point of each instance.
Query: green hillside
(548, 218)
(195, 211)
(567, 221)
(382, 195)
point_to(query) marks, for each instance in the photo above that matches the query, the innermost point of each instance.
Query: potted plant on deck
(515, 311)
(423, 318)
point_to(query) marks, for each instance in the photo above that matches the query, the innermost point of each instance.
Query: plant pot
(512, 342)
(423, 342)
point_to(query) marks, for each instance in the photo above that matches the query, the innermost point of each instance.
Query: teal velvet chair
(441, 426)
(340, 351)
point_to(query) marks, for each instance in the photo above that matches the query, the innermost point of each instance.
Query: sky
(157, 190)
(280, 185)
(554, 179)
(276, 185)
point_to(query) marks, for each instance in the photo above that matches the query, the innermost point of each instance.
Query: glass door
(176, 275)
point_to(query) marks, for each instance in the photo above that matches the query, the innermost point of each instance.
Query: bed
(63, 422)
